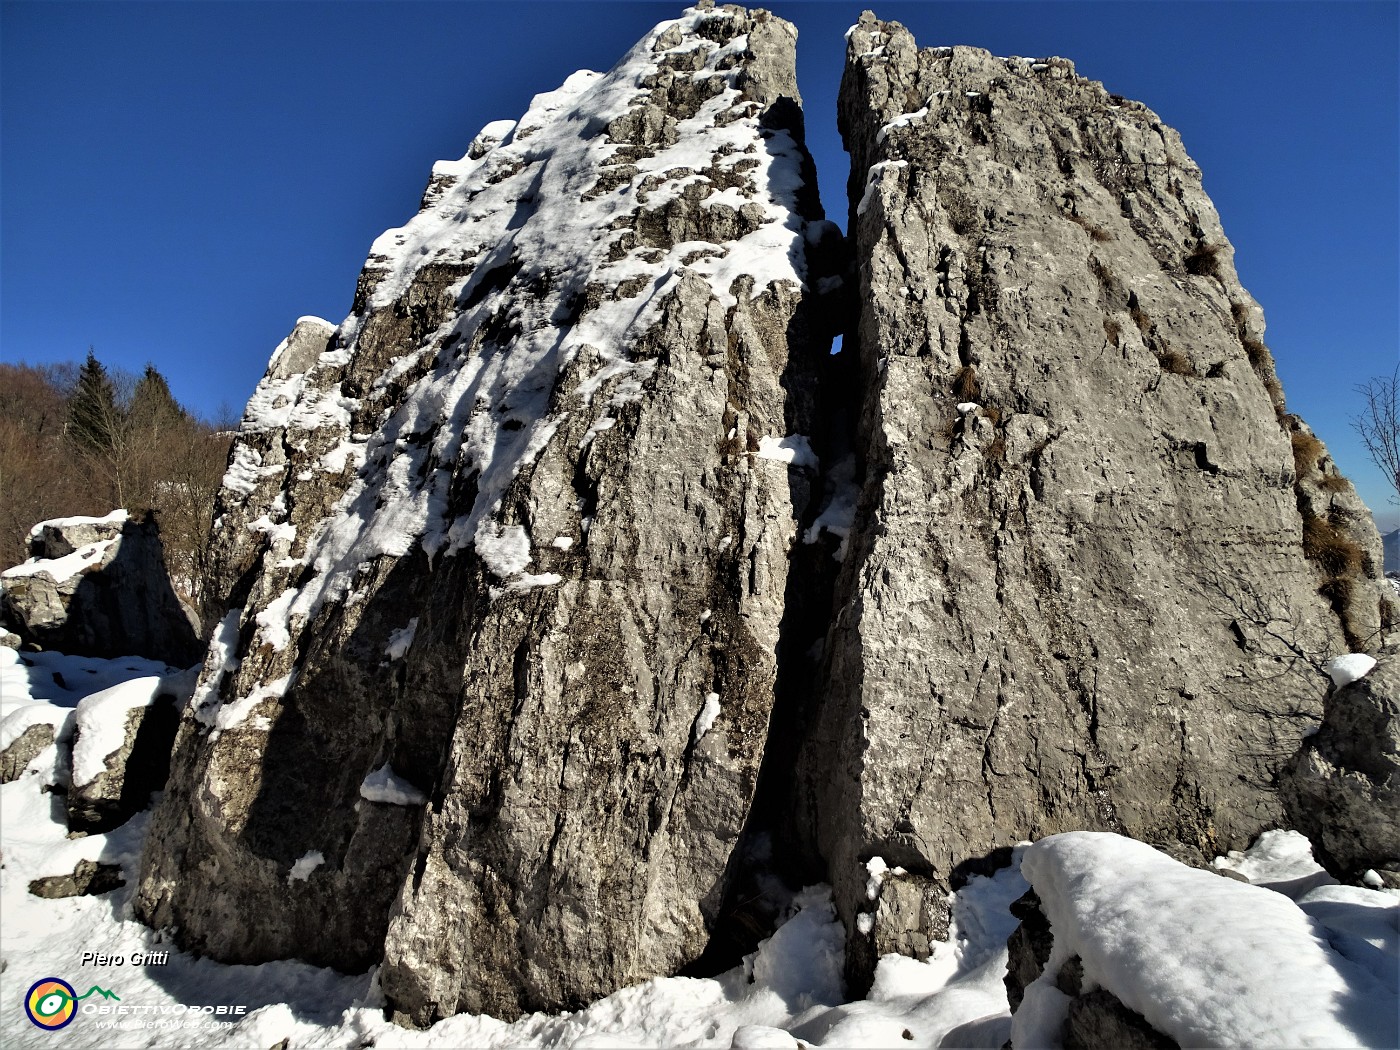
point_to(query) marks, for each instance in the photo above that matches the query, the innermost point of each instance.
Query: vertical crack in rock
(1082, 590)
(508, 555)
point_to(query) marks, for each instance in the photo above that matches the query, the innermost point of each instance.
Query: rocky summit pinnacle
(1088, 586)
(507, 552)
(570, 590)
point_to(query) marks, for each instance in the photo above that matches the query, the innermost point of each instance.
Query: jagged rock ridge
(507, 553)
(1083, 590)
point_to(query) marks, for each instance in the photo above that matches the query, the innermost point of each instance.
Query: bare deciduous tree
(1379, 425)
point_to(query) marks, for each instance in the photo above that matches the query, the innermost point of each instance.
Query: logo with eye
(51, 1003)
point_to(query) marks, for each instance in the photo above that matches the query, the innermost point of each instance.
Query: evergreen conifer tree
(154, 412)
(94, 421)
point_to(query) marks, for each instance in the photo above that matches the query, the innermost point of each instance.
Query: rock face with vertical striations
(507, 553)
(1096, 567)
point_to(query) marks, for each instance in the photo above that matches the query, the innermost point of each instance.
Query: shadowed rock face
(1342, 789)
(1079, 592)
(518, 530)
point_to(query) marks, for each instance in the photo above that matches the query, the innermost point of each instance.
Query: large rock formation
(507, 554)
(99, 587)
(1083, 586)
(517, 608)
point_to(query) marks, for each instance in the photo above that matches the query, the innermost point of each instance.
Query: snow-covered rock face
(1084, 587)
(468, 537)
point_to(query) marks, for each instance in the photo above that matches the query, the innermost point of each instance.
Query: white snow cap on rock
(384, 785)
(705, 720)
(303, 868)
(66, 567)
(116, 517)
(1206, 960)
(101, 717)
(794, 449)
(401, 640)
(1344, 670)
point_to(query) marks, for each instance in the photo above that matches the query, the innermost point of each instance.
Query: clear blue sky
(180, 181)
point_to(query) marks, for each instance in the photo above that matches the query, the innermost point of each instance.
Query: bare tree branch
(1378, 426)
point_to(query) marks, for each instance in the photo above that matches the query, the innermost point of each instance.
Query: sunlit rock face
(507, 553)
(1083, 589)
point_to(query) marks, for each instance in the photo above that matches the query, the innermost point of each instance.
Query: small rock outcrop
(121, 749)
(1343, 788)
(99, 587)
(88, 879)
(507, 554)
(23, 750)
(1095, 567)
(1095, 1018)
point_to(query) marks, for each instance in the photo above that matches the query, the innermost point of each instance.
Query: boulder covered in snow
(121, 747)
(1343, 788)
(99, 587)
(1145, 952)
(1094, 1018)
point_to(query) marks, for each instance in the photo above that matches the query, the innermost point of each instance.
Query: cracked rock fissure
(574, 590)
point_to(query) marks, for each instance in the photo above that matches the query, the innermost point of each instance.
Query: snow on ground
(1322, 967)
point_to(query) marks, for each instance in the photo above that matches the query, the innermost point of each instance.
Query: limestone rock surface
(99, 587)
(1343, 788)
(507, 551)
(23, 750)
(1094, 569)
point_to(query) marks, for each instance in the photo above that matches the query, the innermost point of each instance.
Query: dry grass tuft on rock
(1096, 232)
(1307, 451)
(965, 385)
(1336, 553)
(1174, 361)
(1204, 260)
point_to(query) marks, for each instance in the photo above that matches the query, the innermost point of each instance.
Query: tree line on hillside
(82, 439)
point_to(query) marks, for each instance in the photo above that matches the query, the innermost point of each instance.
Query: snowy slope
(1321, 972)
